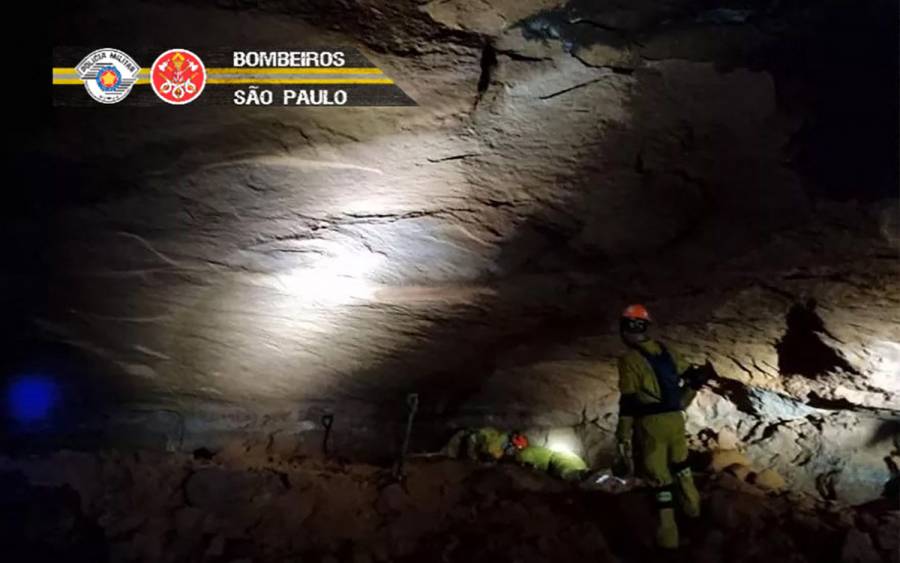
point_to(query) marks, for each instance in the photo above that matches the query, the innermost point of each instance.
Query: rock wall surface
(210, 270)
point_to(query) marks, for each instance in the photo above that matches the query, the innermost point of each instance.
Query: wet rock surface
(307, 510)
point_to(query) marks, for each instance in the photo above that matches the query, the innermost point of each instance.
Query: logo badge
(178, 76)
(108, 75)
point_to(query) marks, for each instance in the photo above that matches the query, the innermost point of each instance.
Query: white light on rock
(561, 448)
(336, 278)
(887, 365)
(564, 441)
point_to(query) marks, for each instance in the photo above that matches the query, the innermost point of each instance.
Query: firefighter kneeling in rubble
(491, 444)
(656, 385)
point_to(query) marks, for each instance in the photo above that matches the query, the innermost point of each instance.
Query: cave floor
(236, 506)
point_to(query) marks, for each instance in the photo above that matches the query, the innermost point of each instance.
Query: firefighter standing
(654, 393)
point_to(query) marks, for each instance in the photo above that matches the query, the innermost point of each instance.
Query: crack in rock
(454, 157)
(571, 88)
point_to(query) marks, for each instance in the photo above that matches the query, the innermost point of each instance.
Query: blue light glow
(31, 398)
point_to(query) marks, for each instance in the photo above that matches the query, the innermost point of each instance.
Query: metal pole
(412, 405)
(327, 421)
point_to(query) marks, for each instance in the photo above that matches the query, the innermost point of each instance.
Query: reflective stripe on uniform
(664, 497)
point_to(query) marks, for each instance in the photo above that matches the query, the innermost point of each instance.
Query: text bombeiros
(288, 59)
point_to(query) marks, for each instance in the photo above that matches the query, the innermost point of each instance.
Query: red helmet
(636, 313)
(519, 441)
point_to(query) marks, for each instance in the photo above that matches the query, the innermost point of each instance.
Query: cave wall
(206, 272)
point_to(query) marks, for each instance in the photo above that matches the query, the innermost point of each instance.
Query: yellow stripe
(79, 82)
(299, 81)
(146, 71)
(145, 81)
(294, 71)
(57, 70)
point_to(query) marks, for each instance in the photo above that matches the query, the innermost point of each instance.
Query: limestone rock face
(489, 18)
(220, 270)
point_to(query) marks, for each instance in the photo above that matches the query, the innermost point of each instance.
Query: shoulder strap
(666, 373)
(663, 353)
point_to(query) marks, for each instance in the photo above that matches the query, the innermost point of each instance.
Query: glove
(624, 463)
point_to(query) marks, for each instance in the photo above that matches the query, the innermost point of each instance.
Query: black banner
(252, 77)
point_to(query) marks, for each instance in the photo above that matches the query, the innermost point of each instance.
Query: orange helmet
(636, 313)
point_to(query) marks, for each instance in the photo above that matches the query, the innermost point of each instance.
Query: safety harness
(669, 383)
(667, 380)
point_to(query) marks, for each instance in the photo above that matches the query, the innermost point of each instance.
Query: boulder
(722, 459)
(769, 480)
(726, 439)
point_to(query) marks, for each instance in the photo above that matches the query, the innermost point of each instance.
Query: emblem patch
(108, 75)
(178, 76)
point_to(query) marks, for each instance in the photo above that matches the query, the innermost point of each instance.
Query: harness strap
(667, 378)
(631, 405)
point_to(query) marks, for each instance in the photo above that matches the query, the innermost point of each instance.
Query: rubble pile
(136, 507)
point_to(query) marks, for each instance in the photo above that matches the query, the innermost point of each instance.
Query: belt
(629, 405)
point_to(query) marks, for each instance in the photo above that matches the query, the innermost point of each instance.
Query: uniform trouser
(461, 445)
(663, 455)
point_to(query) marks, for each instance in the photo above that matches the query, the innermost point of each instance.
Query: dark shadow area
(53, 395)
(801, 350)
(817, 401)
(737, 393)
(46, 524)
(842, 66)
(834, 63)
(888, 430)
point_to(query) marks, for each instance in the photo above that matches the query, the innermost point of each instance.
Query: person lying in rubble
(491, 444)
